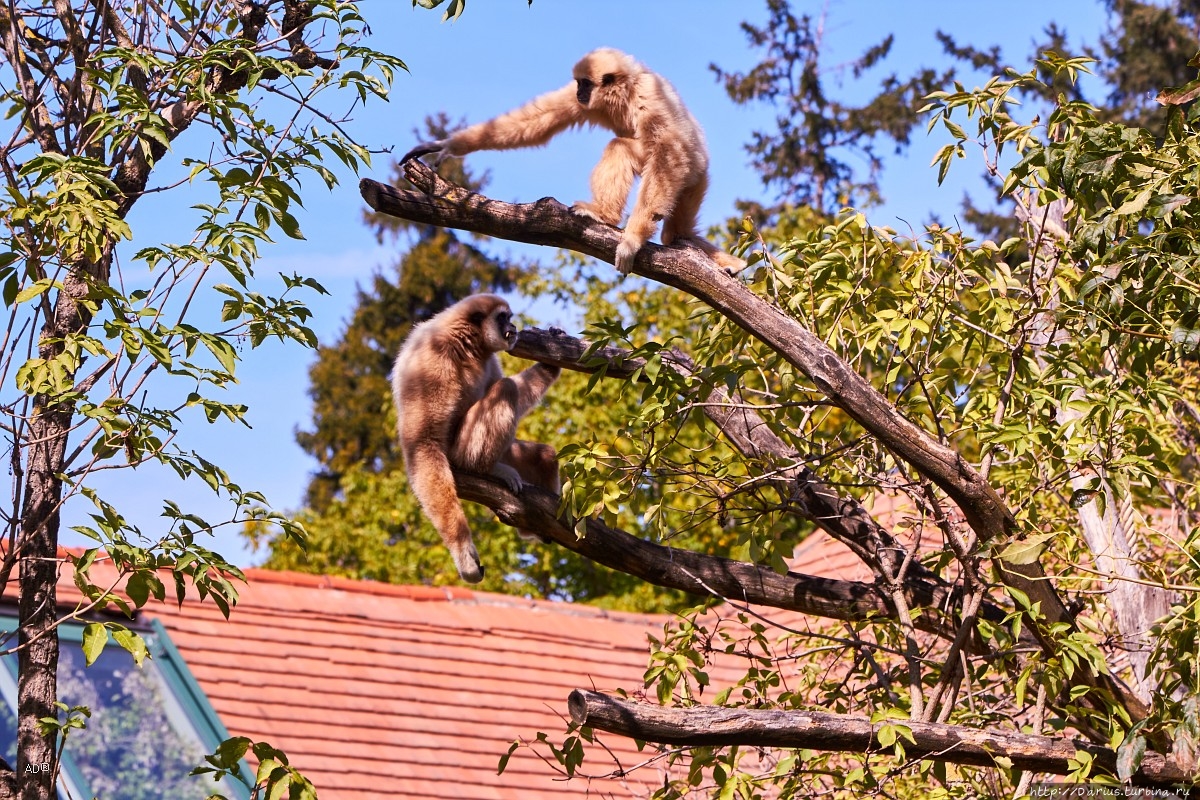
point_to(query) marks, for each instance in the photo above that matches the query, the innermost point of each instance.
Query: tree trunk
(37, 680)
(37, 688)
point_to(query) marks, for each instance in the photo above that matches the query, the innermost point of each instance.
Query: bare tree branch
(710, 726)
(705, 575)
(842, 517)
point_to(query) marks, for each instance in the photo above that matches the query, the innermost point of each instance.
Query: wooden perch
(548, 222)
(700, 574)
(714, 727)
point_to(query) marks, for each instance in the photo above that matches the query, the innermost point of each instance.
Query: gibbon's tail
(432, 481)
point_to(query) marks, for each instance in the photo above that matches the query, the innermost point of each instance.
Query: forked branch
(704, 575)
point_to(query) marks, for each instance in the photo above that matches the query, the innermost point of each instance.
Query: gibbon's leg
(537, 464)
(680, 227)
(488, 428)
(431, 480)
(681, 223)
(611, 181)
(655, 202)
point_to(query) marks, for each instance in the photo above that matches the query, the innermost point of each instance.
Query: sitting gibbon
(657, 138)
(455, 408)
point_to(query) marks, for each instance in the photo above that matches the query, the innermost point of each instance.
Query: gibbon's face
(596, 72)
(585, 87)
(499, 334)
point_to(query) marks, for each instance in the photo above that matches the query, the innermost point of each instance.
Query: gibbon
(455, 408)
(657, 138)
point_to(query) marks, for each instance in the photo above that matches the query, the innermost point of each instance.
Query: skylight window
(148, 728)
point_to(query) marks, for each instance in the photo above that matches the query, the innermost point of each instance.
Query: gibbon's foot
(466, 561)
(438, 149)
(731, 264)
(589, 210)
(533, 536)
(511, 478)
(424, 149)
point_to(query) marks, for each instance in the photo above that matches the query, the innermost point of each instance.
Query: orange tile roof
(376, 690)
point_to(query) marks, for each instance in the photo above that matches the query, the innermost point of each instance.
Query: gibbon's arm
(533, 124)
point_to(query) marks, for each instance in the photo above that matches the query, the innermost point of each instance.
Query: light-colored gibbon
(456, 409)
(657, 138)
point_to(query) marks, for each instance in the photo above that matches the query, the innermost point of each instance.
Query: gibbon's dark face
(504, 324)
(493, 319)
(585, 87)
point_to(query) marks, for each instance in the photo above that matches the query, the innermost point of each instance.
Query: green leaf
(512, 748)
(138, 589)
(131, 641)
(35, 289)
(95, 637)
(1025, 551)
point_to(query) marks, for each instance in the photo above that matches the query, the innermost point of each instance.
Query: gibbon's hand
(424, 149)
(626, 252)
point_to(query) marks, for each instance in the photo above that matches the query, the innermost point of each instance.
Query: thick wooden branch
(713, 727)
(842, 517)
(705, 575)
(548, 222)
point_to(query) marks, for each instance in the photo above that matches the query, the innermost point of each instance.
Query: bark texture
(709, 726)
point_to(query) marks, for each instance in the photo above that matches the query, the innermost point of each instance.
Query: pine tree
(353, 419)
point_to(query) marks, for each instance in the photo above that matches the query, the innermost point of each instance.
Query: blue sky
(499, 54)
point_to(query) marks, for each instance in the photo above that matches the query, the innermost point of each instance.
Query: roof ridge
(442, 594)
(357, 585)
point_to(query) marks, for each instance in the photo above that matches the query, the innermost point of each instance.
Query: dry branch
(704, 575)
(712, 726)
(842, 517)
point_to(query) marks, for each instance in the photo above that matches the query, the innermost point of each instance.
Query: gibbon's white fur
(455, 408)
(657, 138)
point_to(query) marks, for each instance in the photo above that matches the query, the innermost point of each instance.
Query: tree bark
(710, 576)
(708, 726)
(844, 518)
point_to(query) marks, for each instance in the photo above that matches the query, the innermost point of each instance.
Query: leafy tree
(217, 111)
(807, 161)
(1033, 610)
(1146, 50)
